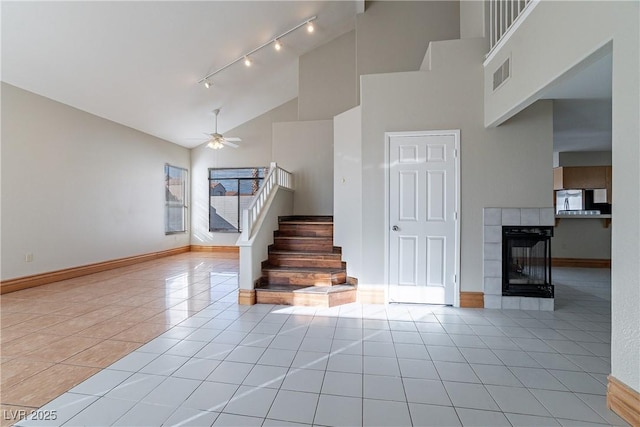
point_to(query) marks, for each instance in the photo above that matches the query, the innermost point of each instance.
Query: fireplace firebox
(526, 261)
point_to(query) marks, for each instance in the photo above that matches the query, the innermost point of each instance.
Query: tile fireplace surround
(494, 219)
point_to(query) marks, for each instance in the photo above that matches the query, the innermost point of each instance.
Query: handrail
(276, 177)
(503, 15)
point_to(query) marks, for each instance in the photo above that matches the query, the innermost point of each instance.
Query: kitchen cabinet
(582, 177)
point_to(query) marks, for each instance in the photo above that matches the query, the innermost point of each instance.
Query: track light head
(247, 61)
(208, 84)
(277, 45)
(310, 27)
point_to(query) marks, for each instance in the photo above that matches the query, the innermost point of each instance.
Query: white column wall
(347, 188)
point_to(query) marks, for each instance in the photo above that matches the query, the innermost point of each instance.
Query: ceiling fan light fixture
(215, 144)
(216, 140)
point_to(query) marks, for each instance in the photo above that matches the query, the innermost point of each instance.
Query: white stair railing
(276, 177)
(503, 14)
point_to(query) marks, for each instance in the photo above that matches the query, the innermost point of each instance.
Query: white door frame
(387, 226)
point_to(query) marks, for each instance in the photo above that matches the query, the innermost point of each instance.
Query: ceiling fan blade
(230, 144)
(233, 139)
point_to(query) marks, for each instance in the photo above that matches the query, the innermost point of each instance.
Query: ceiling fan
(218, 141)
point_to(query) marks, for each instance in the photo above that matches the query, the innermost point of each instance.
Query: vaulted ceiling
(139, 63)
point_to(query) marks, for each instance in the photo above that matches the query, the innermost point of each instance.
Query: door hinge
(455, 153)
(455, 278)
(455, 215)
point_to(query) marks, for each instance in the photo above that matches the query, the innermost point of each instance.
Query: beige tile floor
(55, 336)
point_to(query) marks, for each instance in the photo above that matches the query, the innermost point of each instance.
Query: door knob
(395, 228)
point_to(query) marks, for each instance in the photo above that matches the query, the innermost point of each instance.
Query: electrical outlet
(28, 257)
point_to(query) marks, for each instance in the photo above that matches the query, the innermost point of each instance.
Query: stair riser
(306, 279)
(283, 261)
(306, 230)
(289, 298)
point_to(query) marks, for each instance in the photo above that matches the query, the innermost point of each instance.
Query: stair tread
(304, 219)
(303, 253)
(306, 289)
(306, 222)
(305, 237)
(279, 288)
(304, 269)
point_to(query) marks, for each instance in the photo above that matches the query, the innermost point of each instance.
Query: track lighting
(277, 44)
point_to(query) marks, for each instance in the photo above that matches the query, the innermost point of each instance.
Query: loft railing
(503, 15)
(276, 177)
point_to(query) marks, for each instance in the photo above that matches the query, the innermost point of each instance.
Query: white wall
(347, 188)
(78, 189)
(306, 150)
(556, 38)
(507, 167)
(472, 19)
(327, 81)
(255, 150)
(394, 35)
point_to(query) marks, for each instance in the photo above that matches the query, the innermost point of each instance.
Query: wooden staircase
(304, 268)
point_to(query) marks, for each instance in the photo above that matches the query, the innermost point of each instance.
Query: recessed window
(175, 206)
(230, 191)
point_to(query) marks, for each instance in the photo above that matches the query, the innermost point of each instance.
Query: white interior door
(423, 218)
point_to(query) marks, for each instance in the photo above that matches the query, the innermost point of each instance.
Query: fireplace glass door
(526, 261)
